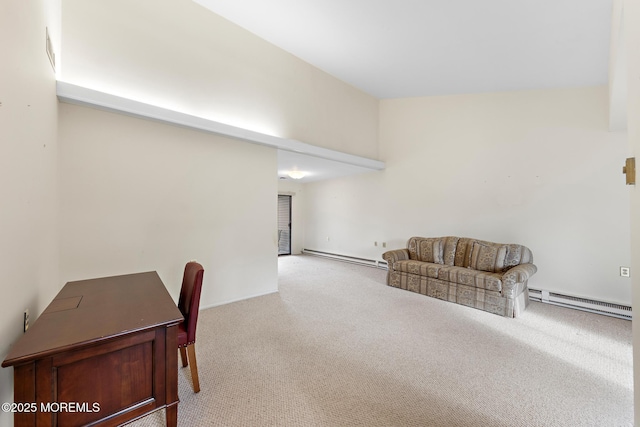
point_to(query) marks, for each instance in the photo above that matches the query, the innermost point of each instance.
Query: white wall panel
(539, 168)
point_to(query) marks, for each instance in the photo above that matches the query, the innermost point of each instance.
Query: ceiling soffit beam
(73, 94)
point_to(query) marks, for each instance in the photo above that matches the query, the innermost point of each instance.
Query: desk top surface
(90, 311)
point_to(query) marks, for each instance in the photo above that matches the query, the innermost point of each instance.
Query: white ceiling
(408, 48)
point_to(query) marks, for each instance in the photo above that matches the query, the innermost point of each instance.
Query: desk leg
(24, 391)
(172, 415)
(172, 375)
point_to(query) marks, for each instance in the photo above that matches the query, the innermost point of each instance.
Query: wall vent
(593, 306)
(347, 258)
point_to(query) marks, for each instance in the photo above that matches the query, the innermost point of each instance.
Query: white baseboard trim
(346, 258)
(217, 304)
(578, 303)
(593, 306)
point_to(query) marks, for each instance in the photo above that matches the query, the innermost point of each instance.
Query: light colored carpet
(337, 347)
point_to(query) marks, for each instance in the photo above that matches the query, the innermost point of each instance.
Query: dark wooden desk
(110, 342)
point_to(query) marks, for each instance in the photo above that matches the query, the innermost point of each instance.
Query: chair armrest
(395, 255)
(519, 274)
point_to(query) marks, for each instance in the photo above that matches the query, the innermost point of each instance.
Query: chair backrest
(189, 302)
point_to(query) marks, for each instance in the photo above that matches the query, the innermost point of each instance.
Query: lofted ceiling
(410, 48)
(407, 48)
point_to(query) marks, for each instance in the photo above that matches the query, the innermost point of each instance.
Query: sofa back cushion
(469, 253)
(426, 249)
(488, 256)
(449, 250)
(516, 255)
(463, 252)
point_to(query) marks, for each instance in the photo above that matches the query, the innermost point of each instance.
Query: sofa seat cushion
(426, 269)
(467, 276)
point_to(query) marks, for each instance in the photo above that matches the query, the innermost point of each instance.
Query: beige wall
(28, 189)
(182, 56)
(134, 194)
(632, 36)
(137, 195)
(538, 168)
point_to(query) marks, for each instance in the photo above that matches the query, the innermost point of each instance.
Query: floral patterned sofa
(484, 275)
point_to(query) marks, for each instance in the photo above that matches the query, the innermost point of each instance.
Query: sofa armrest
(514, 279)
(520, 273)
(395, 255)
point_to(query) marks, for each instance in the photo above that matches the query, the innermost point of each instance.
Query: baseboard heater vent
(593, 306)
(347, 258)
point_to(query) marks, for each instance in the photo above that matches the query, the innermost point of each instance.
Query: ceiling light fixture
(296, 174)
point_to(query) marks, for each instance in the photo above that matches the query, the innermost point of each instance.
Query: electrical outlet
(384, 244)
(625, 271)
(375, 243)
(26, 320)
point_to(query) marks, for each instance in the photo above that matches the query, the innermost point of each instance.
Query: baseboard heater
(584, 304)
(347, 258)
(593, 306)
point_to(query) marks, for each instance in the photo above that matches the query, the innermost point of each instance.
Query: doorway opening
(284, 225)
